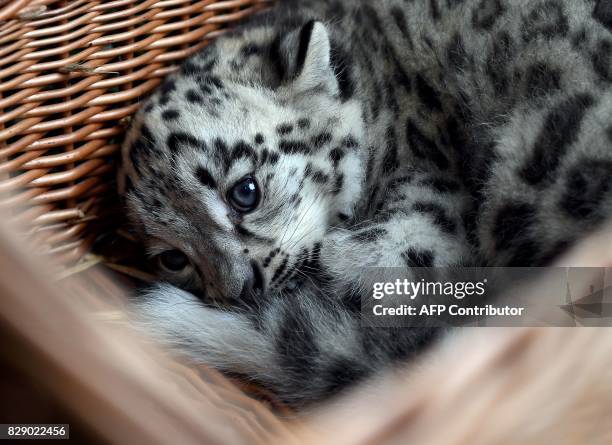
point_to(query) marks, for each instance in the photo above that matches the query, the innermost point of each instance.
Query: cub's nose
(253, 283)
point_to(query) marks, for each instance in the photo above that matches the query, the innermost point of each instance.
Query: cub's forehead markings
(228, 157)
(284, 129)
(202, 62)
(319, 177)
(206, 89)
(219, 151)
(189, 68)
(322, 139)
(243, 150)
(264, 157)
(168, 86)
(303, 123)
(293, 147)
(338, 184)
(197, 69)
(206, 178)
(335, 155)
(166, 90)
(212, 80)
(170, 114)
(308, 170)
(194, 97)
(175, 140)
(220, 145)
(274, 157)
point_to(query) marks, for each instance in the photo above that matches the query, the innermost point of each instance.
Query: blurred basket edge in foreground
(71, 75)
(484, 386)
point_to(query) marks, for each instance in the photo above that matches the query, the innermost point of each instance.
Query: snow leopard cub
(325, 136)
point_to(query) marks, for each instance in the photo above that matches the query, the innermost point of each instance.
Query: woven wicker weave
(71, 74)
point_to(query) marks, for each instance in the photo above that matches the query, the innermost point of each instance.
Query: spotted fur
(390, 133)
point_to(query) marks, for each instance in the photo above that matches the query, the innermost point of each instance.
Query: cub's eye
(244, 196)
(173, 260)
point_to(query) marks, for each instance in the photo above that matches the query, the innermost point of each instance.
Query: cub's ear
(305, 55)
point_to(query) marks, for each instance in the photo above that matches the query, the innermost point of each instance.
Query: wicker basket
(71, 75)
